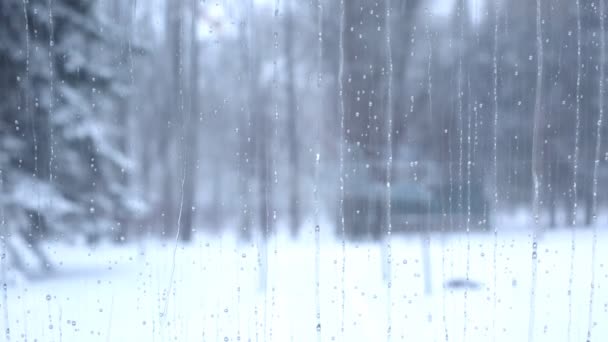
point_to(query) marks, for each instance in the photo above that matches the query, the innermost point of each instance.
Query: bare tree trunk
(265, 185)
(551, 190)
(151, 111)
(173, 38)
(403, 28)
(569, 208)
(191, 142)
(216, 212)
(292, 113)
(257, 104)
(588, 199)
(168, 195)
(552, 208)
(120, 11)
(245, 153)
(244, 181)
(120, 213)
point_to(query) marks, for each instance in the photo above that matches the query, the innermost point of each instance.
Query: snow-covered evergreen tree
(59, 156)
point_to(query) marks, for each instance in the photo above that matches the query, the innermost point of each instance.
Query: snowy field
(216, 293)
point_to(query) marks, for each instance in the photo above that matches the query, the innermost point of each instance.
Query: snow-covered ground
(128, 293)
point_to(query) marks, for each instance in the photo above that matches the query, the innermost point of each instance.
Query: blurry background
(123, 122)
(118, 116)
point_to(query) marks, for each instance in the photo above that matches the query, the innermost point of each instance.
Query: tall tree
(171, 118)
(61, 161)
(292, 125)
(191, 141)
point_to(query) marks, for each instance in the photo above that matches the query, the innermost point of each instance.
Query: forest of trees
(122, 119)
